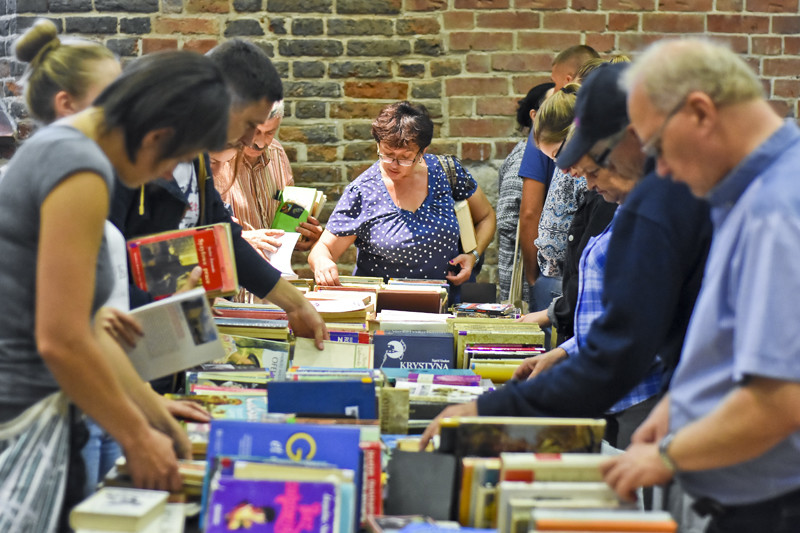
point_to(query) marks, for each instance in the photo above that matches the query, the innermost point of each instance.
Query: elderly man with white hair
(729, 429)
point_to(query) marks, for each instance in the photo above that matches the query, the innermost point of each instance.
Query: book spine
(137, 269)
(372, 490)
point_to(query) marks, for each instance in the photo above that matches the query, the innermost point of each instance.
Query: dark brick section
(310, 47)
(5, 29)
(23, 23)
(445, 68)
(31, 6)
(267, 46)
(320, 134)
(17, 69)
(310, 110)
(360, 69)
(138, 25)
(435, 110)
(378, 48)
(105, 25)
(369, 7)
(413, 70)
(135, 6)
(172, 6)
(124, 47)
(306, 6)
(243, 27)
(359, 151)
(306, 89)
(307, 27)
(428, 47)
(278, 26)
(248, 6)
(71, 6)
(360, 27)
(430, 89)
(283, 68)
(308, 69)
(358, 132)
(326, 174)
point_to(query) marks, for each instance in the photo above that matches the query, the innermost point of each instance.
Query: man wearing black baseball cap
(654, 266)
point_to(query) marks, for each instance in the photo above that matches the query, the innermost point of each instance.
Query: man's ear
(63, 104)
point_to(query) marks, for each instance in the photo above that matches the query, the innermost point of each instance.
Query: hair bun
(43, 34)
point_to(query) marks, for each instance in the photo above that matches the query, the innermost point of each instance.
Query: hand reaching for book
(533, 366)
(152, 462)
(462, 409)
(120, 326)
(186, 410)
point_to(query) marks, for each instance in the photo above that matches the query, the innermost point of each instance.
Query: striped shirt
(249, 190)
(590, 306)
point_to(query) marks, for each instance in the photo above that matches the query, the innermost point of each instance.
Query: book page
(282, 257)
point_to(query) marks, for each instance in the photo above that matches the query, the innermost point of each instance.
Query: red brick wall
(467, 60)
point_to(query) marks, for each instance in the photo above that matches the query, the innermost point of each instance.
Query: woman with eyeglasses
(399, 212)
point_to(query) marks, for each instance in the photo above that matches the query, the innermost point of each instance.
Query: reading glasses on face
(402, 162)
(652, 148)
(601, 160)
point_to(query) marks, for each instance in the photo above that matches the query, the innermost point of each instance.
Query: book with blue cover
(352, 398)
(414, 350)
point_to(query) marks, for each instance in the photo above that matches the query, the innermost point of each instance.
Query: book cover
(353, 398)
(334, 354)
(268, 506)
(161, 261)
(229, 406)
(254, 327)
(179, 333)
(602, 520)
(421, 483)
(119, 509)
(282, 257)
(465, 226)
(531, 467)
(268, 354)
(413, 350)
(237, 379)
(489, 436)
(296, 204)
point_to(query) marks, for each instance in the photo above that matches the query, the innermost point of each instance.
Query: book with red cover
(160, 262)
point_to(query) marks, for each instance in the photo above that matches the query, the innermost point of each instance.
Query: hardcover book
(296, 204)
(119, 509)
(160, 262)
(413, 350)
(269, 354)
(353, 398)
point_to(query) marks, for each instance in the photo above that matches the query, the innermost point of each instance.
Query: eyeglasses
(602, 159)
(402, 162)
(652, 148)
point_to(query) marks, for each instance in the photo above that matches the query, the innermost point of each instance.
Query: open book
(179, 333)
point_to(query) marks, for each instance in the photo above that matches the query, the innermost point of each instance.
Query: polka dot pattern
(394, 242)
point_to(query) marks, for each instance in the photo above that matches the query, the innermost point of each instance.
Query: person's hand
(537, 317)
(467, 262)
(533, 366)
(310, 232)
(194, 279)
(265, 241)
(186, 410)
(327, 274)
(152, 462)
(120, 326)
(306, 322)
(639, 466)
(655, 426)
(462, 409)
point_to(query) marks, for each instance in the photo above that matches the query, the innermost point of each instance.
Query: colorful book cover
(265, 506)
(269, 354)
(413, 350)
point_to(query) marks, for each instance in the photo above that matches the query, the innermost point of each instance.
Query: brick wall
(467, 60)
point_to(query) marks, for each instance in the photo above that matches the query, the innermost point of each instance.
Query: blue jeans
(541, 294)
(99, 454)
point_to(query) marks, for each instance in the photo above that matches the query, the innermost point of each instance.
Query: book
(531, 467)
(334, 354)
(355, 398)
(268, 354)
(466, 227)
(253, 378)
(179, 333)
(413, 350)
(296, 205)
(488, 436)
(395, 524)
(229, 406)
(484, 309)
(421, 483)
(282, 257)
(159, 262)
(426, 299)
(254, 327)
(601, 520)
(119, 509)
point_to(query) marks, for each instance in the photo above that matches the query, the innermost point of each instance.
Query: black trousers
(777, 515)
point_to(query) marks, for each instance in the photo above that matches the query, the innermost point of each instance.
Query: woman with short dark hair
(399, 212)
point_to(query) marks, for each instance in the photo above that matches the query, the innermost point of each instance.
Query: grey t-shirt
(51, 155)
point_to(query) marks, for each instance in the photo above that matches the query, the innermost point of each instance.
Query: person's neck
(744, 128)
(91, 122)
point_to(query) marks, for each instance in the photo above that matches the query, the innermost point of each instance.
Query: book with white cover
(282, 257)
(119, 509)
(334, 354)
(179, 333)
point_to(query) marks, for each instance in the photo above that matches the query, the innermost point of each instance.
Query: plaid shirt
(590, 306)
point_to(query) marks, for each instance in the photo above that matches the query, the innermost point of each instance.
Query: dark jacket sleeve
(653, 273)
(254, 272)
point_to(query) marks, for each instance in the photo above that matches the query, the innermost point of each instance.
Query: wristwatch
(663, 452)
(477, 255)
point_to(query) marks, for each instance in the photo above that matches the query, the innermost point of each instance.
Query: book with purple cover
(266, 506)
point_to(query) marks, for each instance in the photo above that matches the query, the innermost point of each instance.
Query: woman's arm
(483, 218)
(530, 211)
(323, 256)
(71, 228)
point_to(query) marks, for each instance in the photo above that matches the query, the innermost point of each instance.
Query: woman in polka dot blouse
(399, 212)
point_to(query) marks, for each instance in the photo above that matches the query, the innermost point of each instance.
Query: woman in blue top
(399, 212)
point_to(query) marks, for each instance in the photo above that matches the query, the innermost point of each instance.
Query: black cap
(600, 112)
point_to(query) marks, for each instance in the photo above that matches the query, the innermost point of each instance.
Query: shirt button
(571, 238)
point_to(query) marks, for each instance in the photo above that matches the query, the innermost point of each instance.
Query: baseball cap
(600, 112)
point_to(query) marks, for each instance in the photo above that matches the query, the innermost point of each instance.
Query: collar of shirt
(727, 192)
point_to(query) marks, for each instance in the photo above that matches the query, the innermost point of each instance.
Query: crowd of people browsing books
(684, 347)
